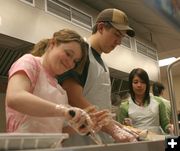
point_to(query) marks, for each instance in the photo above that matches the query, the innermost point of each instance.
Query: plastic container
(12, 141)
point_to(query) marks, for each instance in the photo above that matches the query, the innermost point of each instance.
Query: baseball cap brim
(129, 31)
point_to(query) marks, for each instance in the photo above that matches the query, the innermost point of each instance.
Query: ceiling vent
(58, 9)
(10, 50)
(69, 13)
(145, 50)
(126, 42)
(29, 2)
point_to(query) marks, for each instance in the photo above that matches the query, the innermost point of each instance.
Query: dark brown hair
(107, 25)
(157, 88)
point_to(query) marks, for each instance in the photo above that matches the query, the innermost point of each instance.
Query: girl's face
(139, 86)
(63, 57)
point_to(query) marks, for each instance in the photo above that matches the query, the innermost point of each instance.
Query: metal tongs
(95, 137)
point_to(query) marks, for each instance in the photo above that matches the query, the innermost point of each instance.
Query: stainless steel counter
(44, 142)
(158, 145)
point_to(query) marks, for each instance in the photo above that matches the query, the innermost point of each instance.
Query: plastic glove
(99, 118)
(138, 133)
(77, 118)
(120, 134)
(103, 119)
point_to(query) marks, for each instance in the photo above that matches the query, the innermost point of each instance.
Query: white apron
(145, 117)
(97, 88)
(45, 90)
(97, 91)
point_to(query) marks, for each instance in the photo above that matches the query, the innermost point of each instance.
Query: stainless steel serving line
(52, 142)
(158, 145)
(172, 97)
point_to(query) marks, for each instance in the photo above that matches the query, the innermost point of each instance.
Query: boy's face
(110, 38)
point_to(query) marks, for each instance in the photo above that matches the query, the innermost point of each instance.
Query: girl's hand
(171, 129)
(79, 120)
(128, 122)
(100, 118)
(120, 134)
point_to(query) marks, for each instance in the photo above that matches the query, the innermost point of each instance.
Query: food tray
(16, 141)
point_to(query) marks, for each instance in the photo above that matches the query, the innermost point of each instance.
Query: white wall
(175, 75)
(176, 87)
(33, 24)
(125, 60)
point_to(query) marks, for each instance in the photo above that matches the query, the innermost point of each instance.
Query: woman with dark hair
(142, 110)
(158, 88)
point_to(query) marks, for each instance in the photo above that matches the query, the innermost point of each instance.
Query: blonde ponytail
(40, 48)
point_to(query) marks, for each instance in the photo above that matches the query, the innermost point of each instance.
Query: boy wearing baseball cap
(92, 87)
(117, 18)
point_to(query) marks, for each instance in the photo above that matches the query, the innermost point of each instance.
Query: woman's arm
(18, 97)
(163, 116)
(122, 112)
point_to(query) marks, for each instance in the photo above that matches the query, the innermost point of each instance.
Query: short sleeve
(28, 64)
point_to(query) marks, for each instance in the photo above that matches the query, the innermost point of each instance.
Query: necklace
(139, 103)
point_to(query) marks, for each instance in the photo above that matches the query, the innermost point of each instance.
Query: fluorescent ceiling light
(167, 61)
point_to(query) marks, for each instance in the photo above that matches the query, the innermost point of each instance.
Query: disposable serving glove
(77, 118)
(103, 121)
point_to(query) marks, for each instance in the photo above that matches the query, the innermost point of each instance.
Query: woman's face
(139, 86)
(63, 57)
